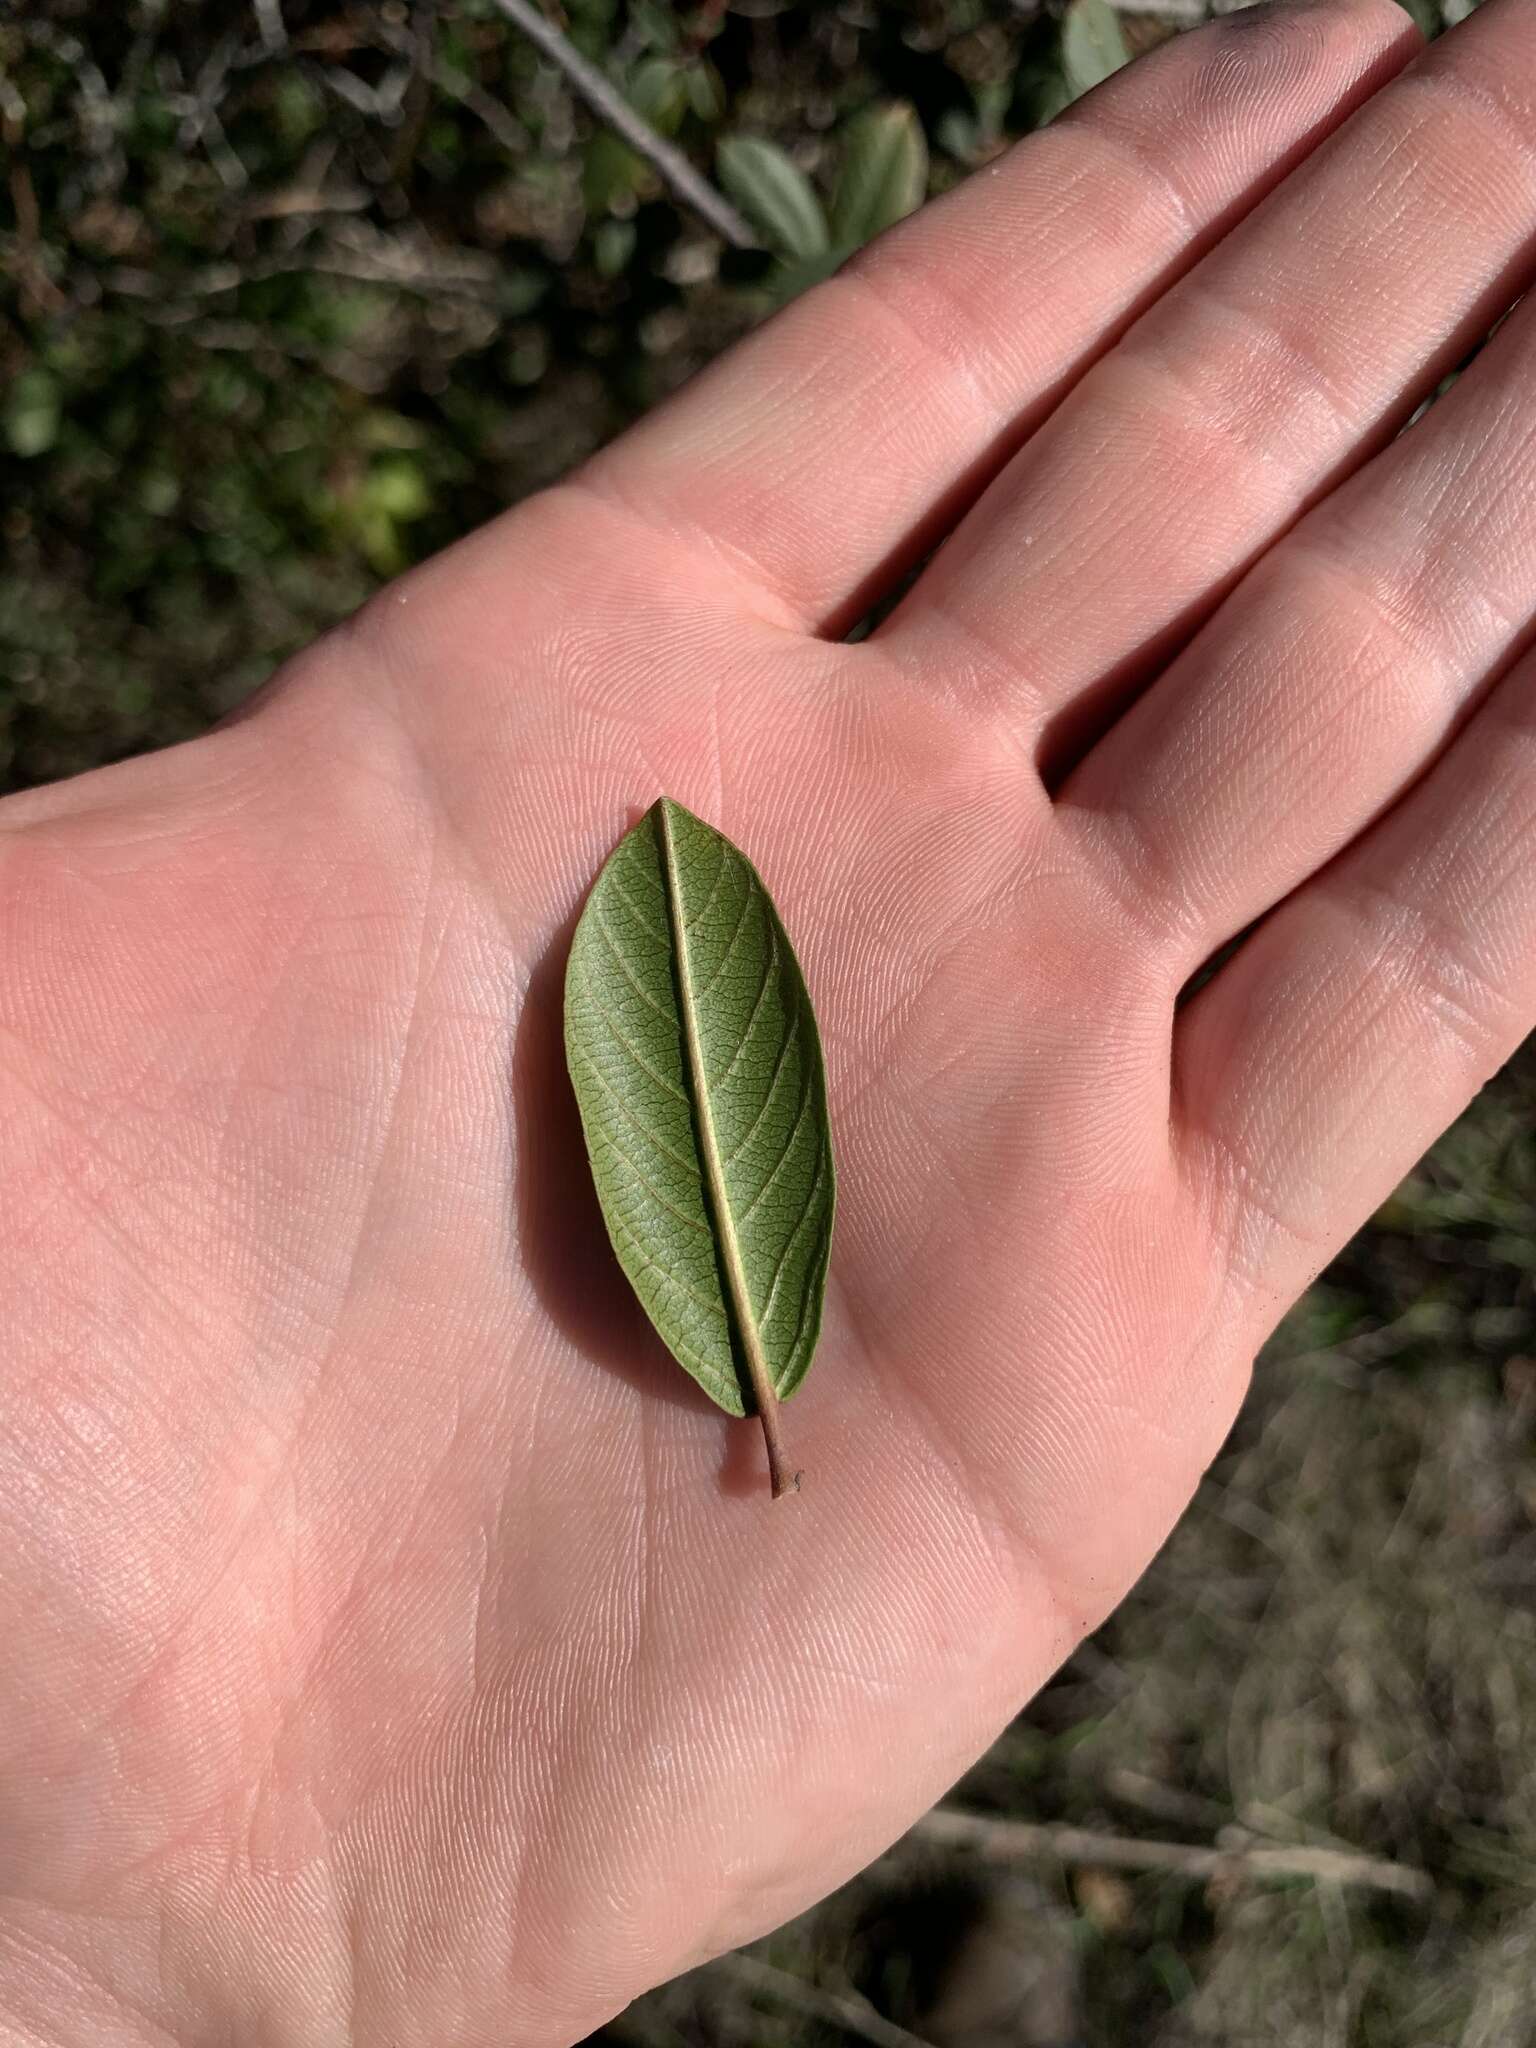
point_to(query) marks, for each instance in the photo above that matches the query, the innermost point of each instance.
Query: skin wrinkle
(1380, 985)
(1150, 174)
(1004, 669)
(307, 1416)
(1303, 374)
(1005, 1541)
(887, 287)
(256, 1038)
(103, 1226)
(1147, 889)
(516, 1919)
(372, 632)
(602, 485)
(90, 1134)
(385, 1125)
(1457, 83)
(1432, 959)
(1387, 610)
(1161, 873)
(1329, 547)
(141, 2013)
(1246, 1202)
(974, 713)
(400, 1539)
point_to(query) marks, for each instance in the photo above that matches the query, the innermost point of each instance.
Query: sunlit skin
(399, 1649)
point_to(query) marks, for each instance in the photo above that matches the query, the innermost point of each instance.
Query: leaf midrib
(763, 1388)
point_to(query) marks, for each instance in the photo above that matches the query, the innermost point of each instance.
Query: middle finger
(1289, 355)
(1335, 673)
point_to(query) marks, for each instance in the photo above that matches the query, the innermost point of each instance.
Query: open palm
(399, 1647)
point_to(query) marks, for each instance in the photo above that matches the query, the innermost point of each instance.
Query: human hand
(399, 1648)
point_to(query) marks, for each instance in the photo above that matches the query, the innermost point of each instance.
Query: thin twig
(199, 114)
(504, 126)
(379, 102)
(370, 260)
(269, 19)
(845, 2009)
(1372, 1346)
(1183, 11)
(307, 202)
(1167, 1802)
(508, 131)
(712, 207)
(1019, 1841)
(37, 286)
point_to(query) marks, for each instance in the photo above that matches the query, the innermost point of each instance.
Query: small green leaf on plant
(33, 413)
(659, 92)
(612, 247)
(774, 193)
(1092, 45)
(787, 281)
(697, 1068)
(611, 174)
(884, 175)
(706, 93)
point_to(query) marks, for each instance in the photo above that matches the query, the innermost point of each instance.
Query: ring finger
(1292, 352)
(1333, 675)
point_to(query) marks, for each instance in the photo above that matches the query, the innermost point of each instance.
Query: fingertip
(1296, 67)
(1314, 44)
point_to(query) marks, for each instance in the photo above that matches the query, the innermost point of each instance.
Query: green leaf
(611, 173)
(33, 413)
(659, 91)
(697, 1068)
(774, 194)
(612, 247)
(885, 173)
(787, 281)
(706, 93)
(1092, 45)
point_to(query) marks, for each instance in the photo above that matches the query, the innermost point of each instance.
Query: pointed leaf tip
(1093, 45)
(774, 193)
(884, 176)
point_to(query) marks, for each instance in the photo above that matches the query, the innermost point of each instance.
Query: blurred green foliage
(292, 293)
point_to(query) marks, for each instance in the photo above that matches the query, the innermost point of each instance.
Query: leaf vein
(633, 1050)
(751, 1024)
(692, 923)
(773, 1088)
(626, 970)
(652, 1264)
(689, 1222)
(778, 1167)
(639, 915)
(703, 995)
(650, 1137)
(783, 1260)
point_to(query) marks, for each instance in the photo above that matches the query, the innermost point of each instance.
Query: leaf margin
(654, 836)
